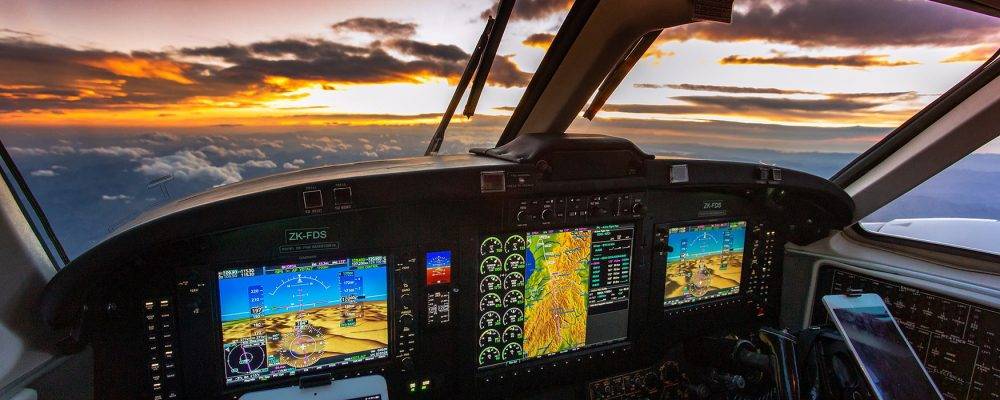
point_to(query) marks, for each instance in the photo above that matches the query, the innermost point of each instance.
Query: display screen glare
(283, 320)
(548, 292)
(703, 262)
(893, 369)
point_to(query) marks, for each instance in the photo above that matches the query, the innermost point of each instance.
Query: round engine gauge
(513, 333)
(489, 355)
(513, 298)
(490, 319)
(490, 283)
(513, 280)
(512, 351)
(514, 244)
(490, 301)
(491, 245)
(490, 265)
(490, 337)
(514, 262)
(513, 316)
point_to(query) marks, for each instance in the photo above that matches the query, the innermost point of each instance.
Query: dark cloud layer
(376, 26)
(847, 23)
(529, 10)
(831, 106)
(42, 76)
(852, 61)
(444, 52)
(720, 89)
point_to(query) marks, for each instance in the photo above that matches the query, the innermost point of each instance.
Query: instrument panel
(481, 278)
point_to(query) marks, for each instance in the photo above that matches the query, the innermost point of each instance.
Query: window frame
(32, 210)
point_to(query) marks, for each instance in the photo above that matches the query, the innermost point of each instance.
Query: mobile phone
(888, 362)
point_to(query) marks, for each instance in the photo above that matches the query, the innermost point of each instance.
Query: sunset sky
(255, 64)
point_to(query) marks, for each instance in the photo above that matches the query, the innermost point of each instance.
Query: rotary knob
(406, 320)
(638, 208)
(650, 381)
(547, 214)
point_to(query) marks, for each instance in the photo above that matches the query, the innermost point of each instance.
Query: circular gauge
(514, 262)
(513, 333)
(301, 348)
(514, 244)
(512, 351)
(491, 337)
(490, 319)
(513, 280)
(490, 265)
(244, 358)
(489, 355)
(490, 283)
(513, 316)
(491, 245)
(513, 298)
(490, 301)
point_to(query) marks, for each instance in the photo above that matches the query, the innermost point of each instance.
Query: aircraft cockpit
(570, 237)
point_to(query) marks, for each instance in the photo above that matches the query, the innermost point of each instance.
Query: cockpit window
(805, 84)
(109, 109)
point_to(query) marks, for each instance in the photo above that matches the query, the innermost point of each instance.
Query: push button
(342, 195)
(312, 199)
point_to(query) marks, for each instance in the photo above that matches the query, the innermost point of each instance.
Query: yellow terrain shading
(703, 275)
(555, 315)
(323, 338)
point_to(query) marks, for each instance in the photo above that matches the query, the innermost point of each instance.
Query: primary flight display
(282, 320)
(704, 261)
(554, 291)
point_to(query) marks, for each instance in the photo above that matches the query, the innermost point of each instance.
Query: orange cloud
(852, 61)
(539, 40)
(141, 68)
(978, 55)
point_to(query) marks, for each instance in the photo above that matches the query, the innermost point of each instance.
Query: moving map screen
(550, 292)
(704, 262)
(283, 320)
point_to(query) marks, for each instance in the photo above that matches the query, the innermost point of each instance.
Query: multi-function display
(548, 292)
(283, 320)
(703, 262)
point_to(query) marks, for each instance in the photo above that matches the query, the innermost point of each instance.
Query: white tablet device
(891, 367)
(364, 388)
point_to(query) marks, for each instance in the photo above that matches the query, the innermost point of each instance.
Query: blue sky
(705, 241)
(324, 287)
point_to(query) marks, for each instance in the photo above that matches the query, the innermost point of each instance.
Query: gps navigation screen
(283, 320)
(551, 292)
(704, 262)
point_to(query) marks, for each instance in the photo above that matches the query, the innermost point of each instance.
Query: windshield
(805, 84)
(111, 108)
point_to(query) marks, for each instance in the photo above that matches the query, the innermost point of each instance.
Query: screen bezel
(637, 232)
(219, 353)
(659, 262)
